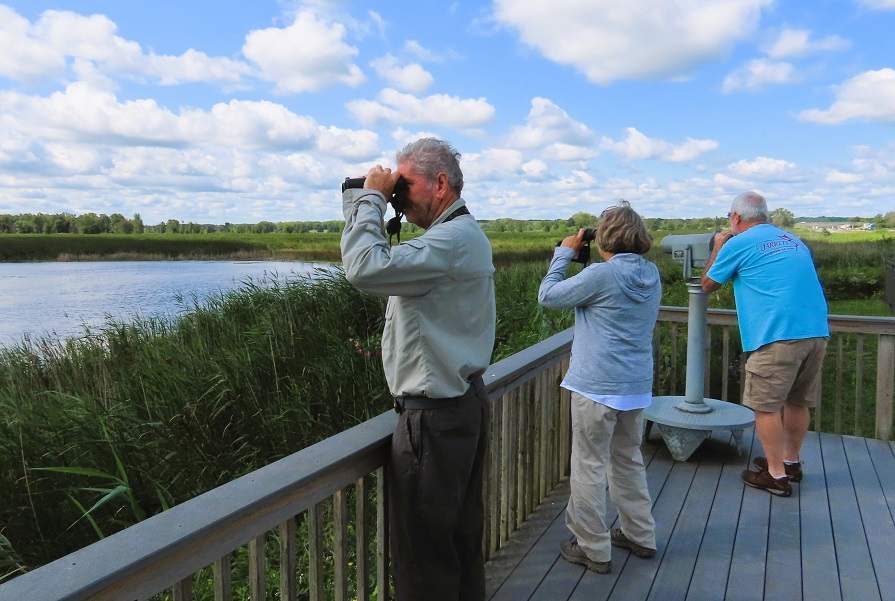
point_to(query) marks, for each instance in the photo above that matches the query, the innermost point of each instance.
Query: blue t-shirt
(775, 284)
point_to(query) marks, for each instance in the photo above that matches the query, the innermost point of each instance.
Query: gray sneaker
(573, 553)
(620, 540)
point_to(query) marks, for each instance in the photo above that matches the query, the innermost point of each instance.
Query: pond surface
(59, 300)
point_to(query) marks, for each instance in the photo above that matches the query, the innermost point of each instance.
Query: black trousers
(437, 512)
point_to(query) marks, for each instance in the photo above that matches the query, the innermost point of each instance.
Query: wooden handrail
(151, 555)
(855, 324)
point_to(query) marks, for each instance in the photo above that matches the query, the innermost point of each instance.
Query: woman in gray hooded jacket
(610, 378)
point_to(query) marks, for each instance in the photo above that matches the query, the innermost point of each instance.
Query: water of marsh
(57, 300)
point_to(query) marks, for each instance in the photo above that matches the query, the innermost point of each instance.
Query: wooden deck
(834, 538)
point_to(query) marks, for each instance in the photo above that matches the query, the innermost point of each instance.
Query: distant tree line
(92, 223)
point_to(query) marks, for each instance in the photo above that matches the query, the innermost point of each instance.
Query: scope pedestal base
(684, 431)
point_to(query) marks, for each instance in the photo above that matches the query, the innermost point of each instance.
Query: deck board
(818, 546)
(879, 528)
(718, 539)
(852, 552)
(710, 574)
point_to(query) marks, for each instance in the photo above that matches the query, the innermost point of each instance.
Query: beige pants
(606, 446)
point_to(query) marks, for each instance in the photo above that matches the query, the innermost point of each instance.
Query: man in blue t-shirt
(782, 313)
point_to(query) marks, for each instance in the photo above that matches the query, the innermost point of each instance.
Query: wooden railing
(857, 398)
(319, 516)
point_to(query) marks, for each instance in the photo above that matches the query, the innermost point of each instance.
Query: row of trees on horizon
(93, 223)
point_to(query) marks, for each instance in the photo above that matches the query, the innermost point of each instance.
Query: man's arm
(408, 269)
(708, 284)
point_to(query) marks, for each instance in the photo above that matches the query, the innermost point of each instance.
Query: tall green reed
(171, 409)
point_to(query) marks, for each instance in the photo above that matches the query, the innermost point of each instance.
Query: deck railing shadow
(314, 525)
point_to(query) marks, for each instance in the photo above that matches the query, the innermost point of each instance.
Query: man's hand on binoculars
(721, 238)
(381, 179)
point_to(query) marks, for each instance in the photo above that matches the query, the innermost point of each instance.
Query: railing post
(340, 544)
(183, 590)
(382, 534)
(885, 381)
(223, 587)
(725, 363)
(361, 490)
(257, 586)
(859, 386)
(287, 560)
(316, 586)
(837, 411)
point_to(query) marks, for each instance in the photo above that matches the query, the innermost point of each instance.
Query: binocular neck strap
(393, 227)
(460, 211)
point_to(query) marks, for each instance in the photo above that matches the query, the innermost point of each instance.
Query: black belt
(403, 403)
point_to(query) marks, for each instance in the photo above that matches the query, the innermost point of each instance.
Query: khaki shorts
(787, 371)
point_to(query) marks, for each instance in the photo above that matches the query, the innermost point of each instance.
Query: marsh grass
(164, 410)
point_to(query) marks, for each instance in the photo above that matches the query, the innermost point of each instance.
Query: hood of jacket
(636, 276)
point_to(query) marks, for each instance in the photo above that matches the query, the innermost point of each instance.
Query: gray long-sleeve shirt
(616, 305)
(440, 317)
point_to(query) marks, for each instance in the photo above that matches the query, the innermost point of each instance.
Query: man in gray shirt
(437, 343)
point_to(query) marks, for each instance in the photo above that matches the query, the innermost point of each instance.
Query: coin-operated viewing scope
(690, 250)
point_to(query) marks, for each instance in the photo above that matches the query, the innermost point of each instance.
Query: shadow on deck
(834, 538)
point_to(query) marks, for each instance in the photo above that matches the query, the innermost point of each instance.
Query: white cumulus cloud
(798, 43)
(834, 176)
(82, 114)
(535, 168)
(410, 77)
(869, 96)
(878, 4)
(609, 40)
(764, 169)
(637, 147)
(90, 46)
(758, 74)
(306, 56)
(437, 109)
(548, 124)
(492, 164)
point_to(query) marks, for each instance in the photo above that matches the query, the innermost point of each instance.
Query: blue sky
(234, 111)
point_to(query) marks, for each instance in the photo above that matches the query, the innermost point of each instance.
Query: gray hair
(750, 206)
(621, 230)
(431, 156)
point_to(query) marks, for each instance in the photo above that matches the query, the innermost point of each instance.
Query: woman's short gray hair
(750, 206)
(431, 156)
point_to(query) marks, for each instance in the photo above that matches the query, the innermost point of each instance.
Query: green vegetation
(160, 412)
(101, 432)
(75, 247)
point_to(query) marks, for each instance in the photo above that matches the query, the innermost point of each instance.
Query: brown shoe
(793, 470)
(572, 552)
(765, 481)
(620, 540)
